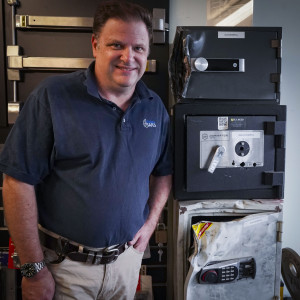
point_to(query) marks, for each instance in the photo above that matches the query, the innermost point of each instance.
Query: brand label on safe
(231, 35)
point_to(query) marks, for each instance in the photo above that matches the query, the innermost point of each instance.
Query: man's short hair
(123, 10)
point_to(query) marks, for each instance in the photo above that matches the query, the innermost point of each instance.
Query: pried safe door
(240, 244)
(229, 151)
(236, 63)
(236, 259)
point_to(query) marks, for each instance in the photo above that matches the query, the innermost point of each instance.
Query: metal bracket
(19, 62)
(41, 63)
(159, 26)
(151, 66)
(13, 2)
(47, 22)
(13, 111)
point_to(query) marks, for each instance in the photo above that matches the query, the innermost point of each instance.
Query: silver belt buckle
(112, 251)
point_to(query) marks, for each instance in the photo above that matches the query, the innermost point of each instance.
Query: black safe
(229, 151)
(235, 63)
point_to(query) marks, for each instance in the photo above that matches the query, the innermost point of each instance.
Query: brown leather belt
(65, 248)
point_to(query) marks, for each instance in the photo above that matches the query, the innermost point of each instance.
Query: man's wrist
(29, 270)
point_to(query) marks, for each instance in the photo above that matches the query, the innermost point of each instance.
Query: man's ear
(94, 41)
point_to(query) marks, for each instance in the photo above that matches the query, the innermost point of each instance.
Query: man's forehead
(117, 28)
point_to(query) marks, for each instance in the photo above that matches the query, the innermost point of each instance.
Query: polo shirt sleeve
(28, 149)
(164, 165)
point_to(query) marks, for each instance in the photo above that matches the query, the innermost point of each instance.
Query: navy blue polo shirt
(89, 161)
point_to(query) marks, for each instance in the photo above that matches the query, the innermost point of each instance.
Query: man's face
(121, 55)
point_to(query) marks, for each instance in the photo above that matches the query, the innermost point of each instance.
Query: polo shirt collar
(141, 89)
(91, 82)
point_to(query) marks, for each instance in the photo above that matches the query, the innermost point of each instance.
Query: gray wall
(279, 13)
(286, 14)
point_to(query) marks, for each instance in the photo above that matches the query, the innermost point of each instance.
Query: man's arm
(21, 217)
(160, 187)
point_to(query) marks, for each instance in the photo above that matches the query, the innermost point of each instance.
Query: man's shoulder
(146, 93)
(64, 80)
(56, 87)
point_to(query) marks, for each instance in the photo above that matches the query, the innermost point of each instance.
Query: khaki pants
(115, 281)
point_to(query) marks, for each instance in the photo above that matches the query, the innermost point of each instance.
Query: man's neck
(122, 100)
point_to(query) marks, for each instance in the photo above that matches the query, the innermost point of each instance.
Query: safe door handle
(202, 64)
(216, 158)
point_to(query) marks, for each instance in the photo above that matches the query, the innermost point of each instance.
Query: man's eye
(116, 46)
(139, 49)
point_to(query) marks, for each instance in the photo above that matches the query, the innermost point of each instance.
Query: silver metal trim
(151, 66)
(26, 21)
(13, 110)
(13, 50)
(56, 62)
(241, 65)
(20, 62)
(159, 26)
(200, 64)
(15, 62)
(13, 74)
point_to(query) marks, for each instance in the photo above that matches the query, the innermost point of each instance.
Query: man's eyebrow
(113, 41)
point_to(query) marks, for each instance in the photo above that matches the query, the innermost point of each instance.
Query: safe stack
(229, 148)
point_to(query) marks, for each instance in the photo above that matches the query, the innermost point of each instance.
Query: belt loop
(90, 257)
(98, 258)
(60, 250)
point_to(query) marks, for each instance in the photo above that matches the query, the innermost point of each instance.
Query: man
(78, 161)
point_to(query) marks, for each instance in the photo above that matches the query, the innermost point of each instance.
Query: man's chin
(127, 84)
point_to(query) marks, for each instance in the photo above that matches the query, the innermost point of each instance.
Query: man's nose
(127, 55)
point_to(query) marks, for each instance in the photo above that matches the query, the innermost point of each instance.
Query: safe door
(235, 258)
(229, 151)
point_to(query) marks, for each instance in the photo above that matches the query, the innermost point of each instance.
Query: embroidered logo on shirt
(148, 123)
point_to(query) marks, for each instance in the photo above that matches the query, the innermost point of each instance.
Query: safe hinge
(275, 77)
(273, 178)
(277, 44)
(275, 128)
(279, 231)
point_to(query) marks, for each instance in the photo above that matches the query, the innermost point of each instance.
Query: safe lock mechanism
(231, 149)
(227, 271)
(202, 64)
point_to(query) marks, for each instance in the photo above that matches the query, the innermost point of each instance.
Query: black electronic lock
(229, 151)
(227, 271)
